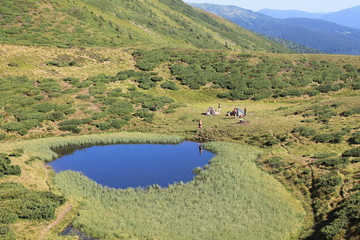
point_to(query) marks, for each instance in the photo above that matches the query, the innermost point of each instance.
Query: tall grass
(231, 199)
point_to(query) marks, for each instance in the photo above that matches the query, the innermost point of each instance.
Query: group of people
(237, 112)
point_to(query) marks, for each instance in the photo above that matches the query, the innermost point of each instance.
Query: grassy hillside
(122, 23)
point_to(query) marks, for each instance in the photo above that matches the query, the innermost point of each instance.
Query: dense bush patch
(17, 202)
(347, 215)
(245, 80)
(6, 168)
(354, 152)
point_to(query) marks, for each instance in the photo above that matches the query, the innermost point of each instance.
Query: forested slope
(317, 34)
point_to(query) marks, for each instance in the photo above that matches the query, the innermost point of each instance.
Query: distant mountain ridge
(118, 23)
(283, 14)
(313, 33)
(347, 17)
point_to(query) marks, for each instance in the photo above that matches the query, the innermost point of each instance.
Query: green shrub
(224, 95)
(355, 138)
(271, 142)
(354, 152)
(4, 230)
(332, 162)
(17, 152)
(99, 115)
(39, 97)
(147, 84)
(169, 85)
(73, 81)
(13, 126)
(312, 92)
(70, 128)
(350, 112)
(145, 114)
(73, 122)
(123, 75)
(324, 155)
(169, 110)
(30, 123)
(69, 111)
(347, 214)
(115, 93)
(326, 183)
(56, 116)
(103, 126)
(325, 88)
(265, 93)
(323, 138)
(156, 79)
(118, 123)
(26, 116)
(23, 132)
(294, 92)
(33, 206)
(7, 217)
(45, 107)
(6, 168)
(337, 138)
(304, 131)
(2, 136)
(132, 89)
(83, 96)
(275, 162)
(121, 107)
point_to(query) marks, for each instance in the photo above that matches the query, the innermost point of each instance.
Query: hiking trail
(60, 217)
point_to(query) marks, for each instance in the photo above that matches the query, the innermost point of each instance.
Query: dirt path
(57, 221)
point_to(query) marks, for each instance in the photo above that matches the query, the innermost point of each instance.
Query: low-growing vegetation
(302, 114)
(6, 168)
(17, 202)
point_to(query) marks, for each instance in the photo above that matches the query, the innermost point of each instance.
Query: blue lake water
(135, 165)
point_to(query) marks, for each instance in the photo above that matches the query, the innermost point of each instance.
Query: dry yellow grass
(32, 61)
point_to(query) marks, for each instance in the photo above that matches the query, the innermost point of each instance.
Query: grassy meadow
(300, 138)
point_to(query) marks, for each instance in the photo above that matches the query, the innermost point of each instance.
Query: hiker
(211, 112)
(219, 108)
(235, 111)
(199, 127)
(245, 111)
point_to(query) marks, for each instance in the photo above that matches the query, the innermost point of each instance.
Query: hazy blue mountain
(316, 34)
(282, 14)
(348, 17)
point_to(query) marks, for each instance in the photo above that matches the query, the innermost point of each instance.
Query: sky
(303, 5)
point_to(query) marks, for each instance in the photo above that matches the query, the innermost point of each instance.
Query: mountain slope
(150, 23)
(347, 17)
(317, 34)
